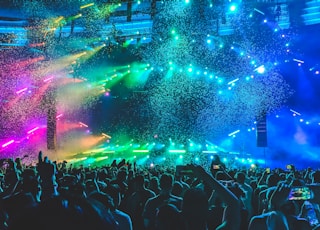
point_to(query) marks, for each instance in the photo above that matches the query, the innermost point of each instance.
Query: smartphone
(289, 167)
(268, 170)
(215, 166)
(182, 170)
(300, 193)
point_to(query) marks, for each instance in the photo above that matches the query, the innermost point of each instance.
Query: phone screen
(216, 166)
(182, 170)
(300, 193)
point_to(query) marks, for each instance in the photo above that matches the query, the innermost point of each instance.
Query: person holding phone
(232, 210)
(217, 165)
(281, 213)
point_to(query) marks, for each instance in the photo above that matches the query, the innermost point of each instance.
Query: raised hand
(47, 171)
(279, 196)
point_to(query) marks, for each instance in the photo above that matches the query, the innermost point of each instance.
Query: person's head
(28, 175)
(177, 189)
(240, 177)
(139, 181)
(272, 180)
(221, 176)
(114, 191)
(30, 183)
(122, 175)
(70, 184)
(102, 174)
(216, 158)
(253, 184)
(166, 182)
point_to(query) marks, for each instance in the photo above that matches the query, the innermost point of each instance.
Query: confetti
(189, 66)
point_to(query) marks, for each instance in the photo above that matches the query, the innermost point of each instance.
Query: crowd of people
(125, 196)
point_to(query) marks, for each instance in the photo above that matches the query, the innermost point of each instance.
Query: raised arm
(231, 219)
(47, 171)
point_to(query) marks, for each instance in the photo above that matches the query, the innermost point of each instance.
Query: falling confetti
(198, 84)
(186, 103)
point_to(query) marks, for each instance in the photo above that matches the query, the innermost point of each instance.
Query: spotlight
(233, 7)
(261, 69)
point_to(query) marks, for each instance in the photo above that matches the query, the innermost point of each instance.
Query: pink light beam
(82, 124)
(21, 90)
(32, 130)
(48, 79)
(60, 115)
(8, 143)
